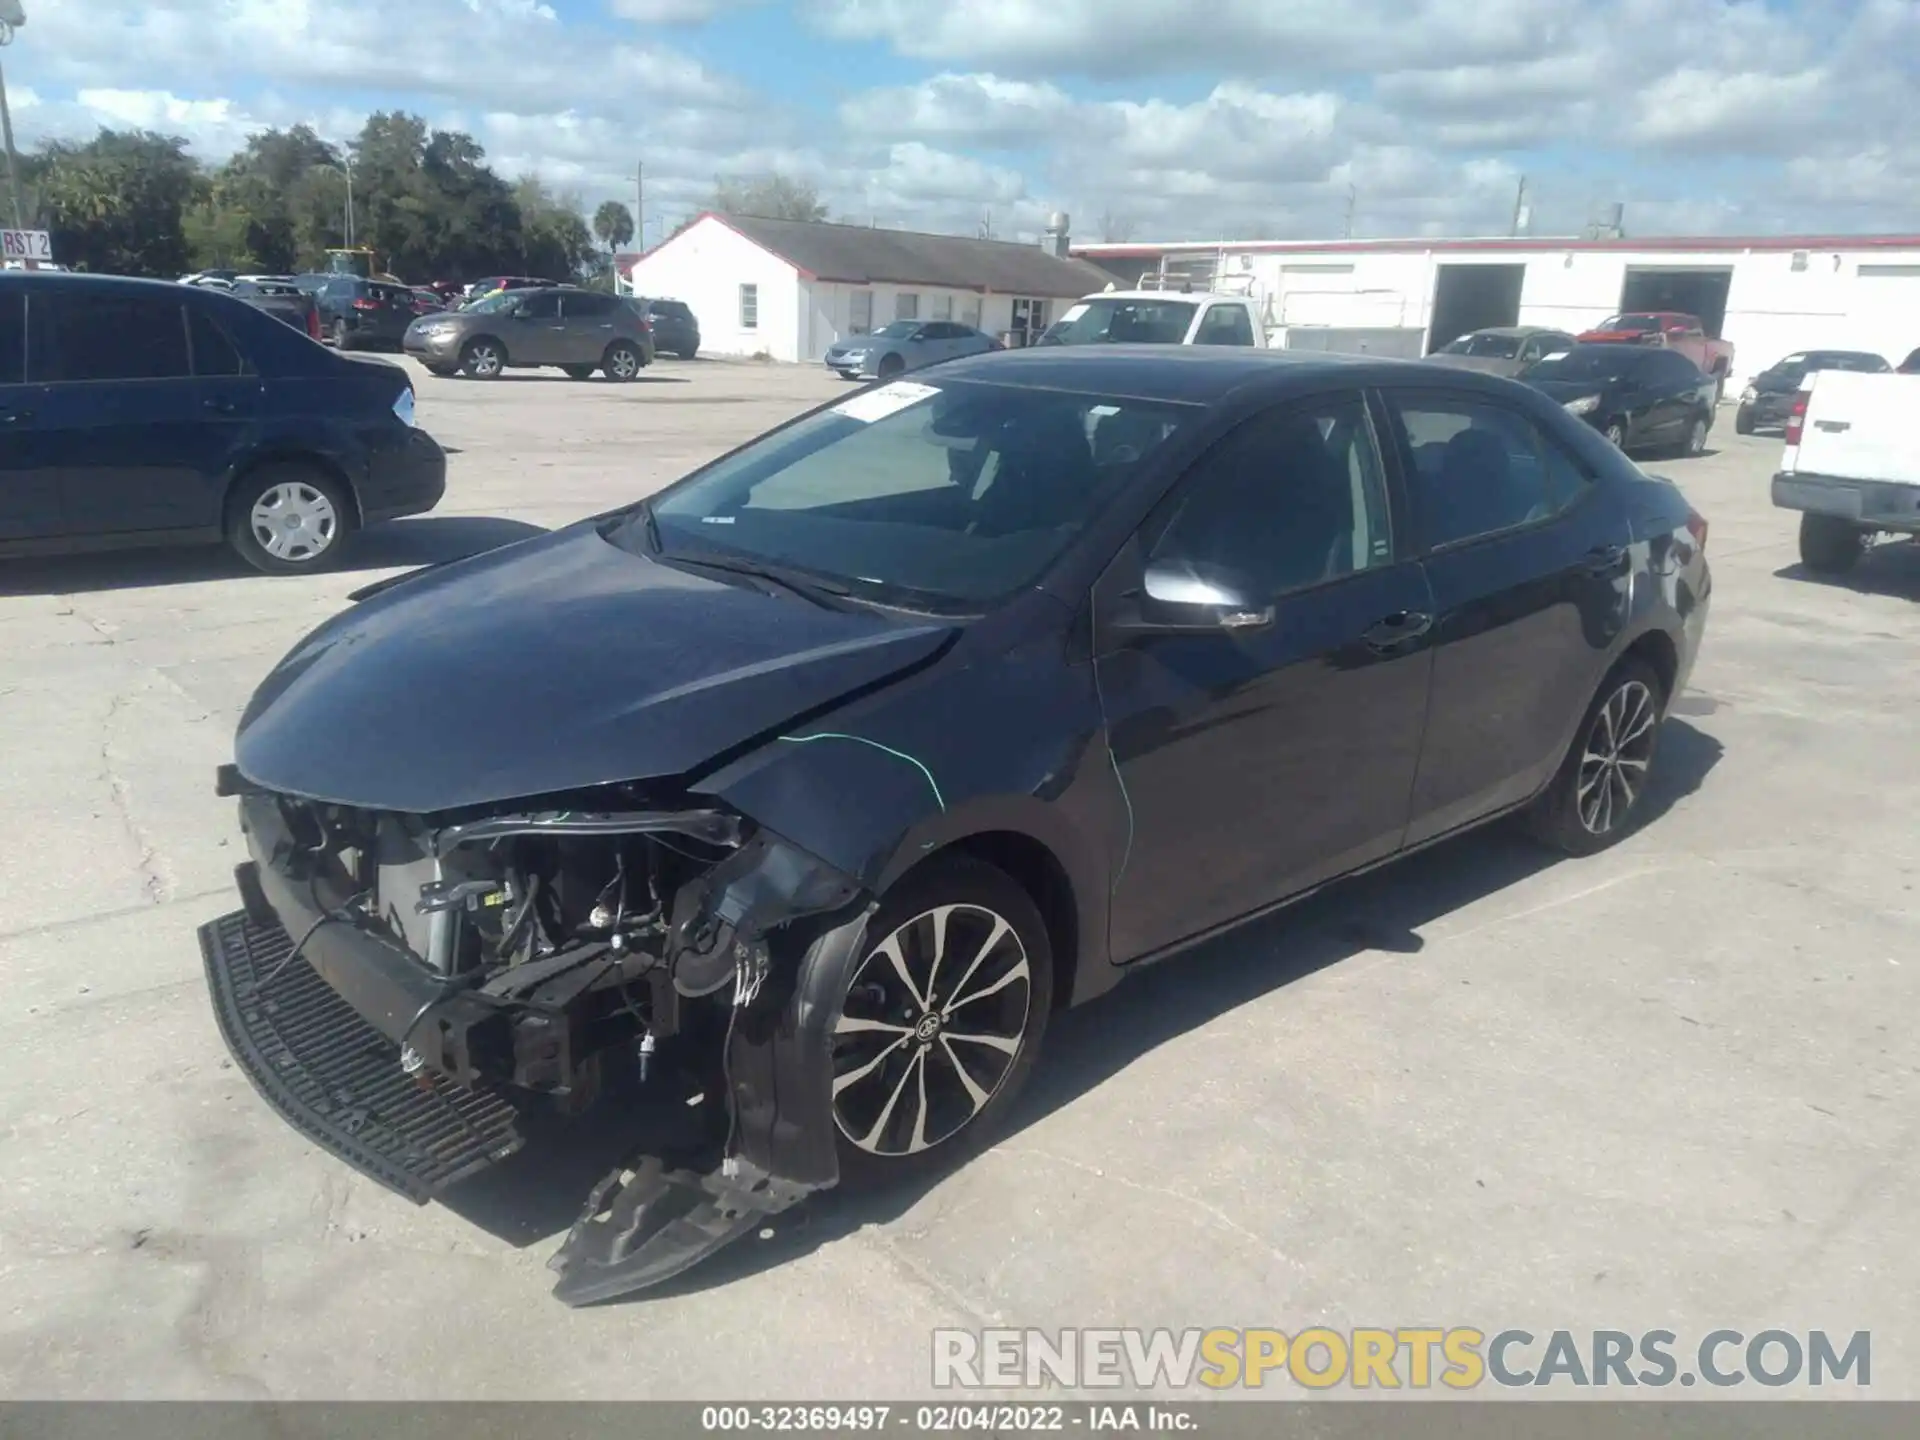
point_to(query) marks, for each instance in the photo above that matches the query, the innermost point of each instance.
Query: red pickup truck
(1672, 329)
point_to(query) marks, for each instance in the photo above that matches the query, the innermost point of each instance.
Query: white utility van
(1851, 466)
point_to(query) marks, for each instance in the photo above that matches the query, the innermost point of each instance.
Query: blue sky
(1145, 119)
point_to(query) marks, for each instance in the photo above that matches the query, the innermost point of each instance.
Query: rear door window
(588, 307)
(13, 337)
(1225, 325)
(110, 337)
(1480, 468)
(214, 353)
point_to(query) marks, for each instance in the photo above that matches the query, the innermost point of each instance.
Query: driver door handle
(1397, 629)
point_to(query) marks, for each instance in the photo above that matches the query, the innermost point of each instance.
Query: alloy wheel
(294, 522)
(483, 361)
(934, 1022)
(1697, 438)
(1613, 766)
(623, 364)
(1617, 435)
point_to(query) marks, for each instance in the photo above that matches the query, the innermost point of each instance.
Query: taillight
(313, 323)
(1697, 527)
(366, 304)
(1797, 417)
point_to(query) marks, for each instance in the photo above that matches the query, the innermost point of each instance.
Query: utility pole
(1353, 196)
(1520, 216)
(11, 16)
(640, 202)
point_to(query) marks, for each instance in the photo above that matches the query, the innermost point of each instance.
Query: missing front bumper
(336, 1079)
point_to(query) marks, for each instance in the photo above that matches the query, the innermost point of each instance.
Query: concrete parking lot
(1671, 1087)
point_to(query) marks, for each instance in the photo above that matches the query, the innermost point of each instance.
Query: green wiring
(932, 784)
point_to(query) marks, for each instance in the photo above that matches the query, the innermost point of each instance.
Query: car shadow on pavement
(424, 540)
(538, 1193)
(1889, 568)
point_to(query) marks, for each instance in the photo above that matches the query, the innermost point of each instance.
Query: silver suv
(580, 331)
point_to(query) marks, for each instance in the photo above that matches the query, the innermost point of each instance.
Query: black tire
(1719, 386)
(483, 358)
(886, 1046)
(1588, 806)
(689, 354)
(1616, 433)
(623, 361)
(443, 371)
(324, 510)
(890, 366)
(342, 338)
(578, 372)
(1829, 545)
(1743, 421)
(1695, 445)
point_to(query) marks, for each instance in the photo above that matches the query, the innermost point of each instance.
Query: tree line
(134, 202)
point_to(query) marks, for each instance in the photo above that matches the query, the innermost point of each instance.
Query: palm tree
(613, 223)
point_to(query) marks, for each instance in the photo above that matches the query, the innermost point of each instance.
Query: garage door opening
(1473, 297)
(1692, 292)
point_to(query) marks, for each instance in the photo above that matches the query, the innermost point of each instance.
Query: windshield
(1632, 324)
(897, 330)
(1140, 322)
(1589, 362)
(492, 303)
(935, 497)
(1488, 347)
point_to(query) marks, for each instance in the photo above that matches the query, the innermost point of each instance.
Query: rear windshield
(390, 295)
(1631, 324)
(268, 287)
(1588, 362)
(1117, 321)
(1487, 347)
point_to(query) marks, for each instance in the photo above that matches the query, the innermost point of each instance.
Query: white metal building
(788, 289)
(1769, 296)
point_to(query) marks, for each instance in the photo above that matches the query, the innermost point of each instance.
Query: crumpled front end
(404, 988)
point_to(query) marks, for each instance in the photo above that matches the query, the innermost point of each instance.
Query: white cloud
(980, 109)
(675, 12)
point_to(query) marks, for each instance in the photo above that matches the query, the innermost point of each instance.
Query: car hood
(1486, 364)
(558, 663)
(1562, 391)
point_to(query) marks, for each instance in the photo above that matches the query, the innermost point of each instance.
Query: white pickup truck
(1160, 316)
(1851, 466)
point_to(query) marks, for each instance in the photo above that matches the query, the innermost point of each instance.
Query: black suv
(136, 412)
(675, 331)
(356, 313)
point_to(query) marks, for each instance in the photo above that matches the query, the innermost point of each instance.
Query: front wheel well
(293, 457)
(1035, 868)
(1657, 649)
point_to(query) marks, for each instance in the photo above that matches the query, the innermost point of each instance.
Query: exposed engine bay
(553, 956)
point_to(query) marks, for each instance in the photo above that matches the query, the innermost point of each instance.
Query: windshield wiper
(822, 593)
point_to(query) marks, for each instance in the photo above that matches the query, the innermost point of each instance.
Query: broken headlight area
(403, 987)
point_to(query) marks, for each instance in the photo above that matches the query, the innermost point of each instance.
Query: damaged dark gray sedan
(816, 783)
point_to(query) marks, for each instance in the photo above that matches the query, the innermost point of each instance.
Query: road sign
(26, 245)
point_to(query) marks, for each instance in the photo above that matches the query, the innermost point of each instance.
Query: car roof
(1194, 374)
(103, 282)
(1187, 295)
(1517, 330)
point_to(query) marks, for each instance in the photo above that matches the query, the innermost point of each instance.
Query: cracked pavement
(1674, 1086)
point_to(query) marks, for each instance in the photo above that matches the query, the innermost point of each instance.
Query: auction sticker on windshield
(887, 400)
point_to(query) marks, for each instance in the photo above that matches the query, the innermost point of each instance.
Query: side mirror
(1179, 597)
